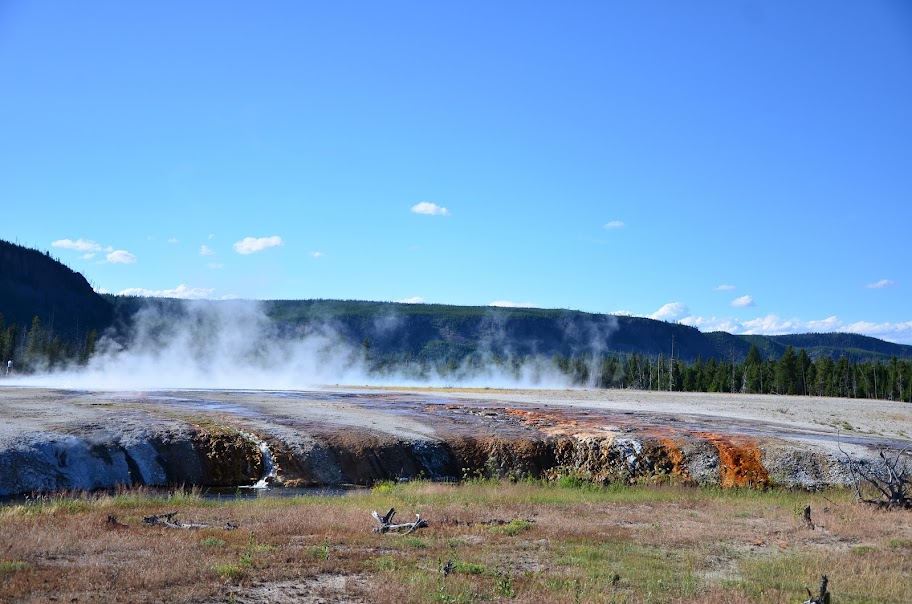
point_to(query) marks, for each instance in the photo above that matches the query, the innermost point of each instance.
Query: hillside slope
(34, 284)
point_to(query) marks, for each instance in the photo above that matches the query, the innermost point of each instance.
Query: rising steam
(236, 345)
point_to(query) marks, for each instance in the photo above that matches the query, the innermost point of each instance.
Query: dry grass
(632, 544)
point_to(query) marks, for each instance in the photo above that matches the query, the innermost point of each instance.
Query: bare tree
(889, 478)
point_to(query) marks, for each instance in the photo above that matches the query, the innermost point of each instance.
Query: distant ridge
(32, 283)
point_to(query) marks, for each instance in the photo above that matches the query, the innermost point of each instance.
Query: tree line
(794, 373)
(39, 348)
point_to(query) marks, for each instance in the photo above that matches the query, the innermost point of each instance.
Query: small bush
(512, 528)
(10, 566)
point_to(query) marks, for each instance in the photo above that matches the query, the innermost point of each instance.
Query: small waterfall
(269, 469)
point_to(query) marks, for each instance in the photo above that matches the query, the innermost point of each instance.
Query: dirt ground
(26, 409)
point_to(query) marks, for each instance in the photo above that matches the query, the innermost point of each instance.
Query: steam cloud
(198, 344)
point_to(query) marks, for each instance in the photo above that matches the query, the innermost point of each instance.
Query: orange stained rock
(676, 457)
(740, 460)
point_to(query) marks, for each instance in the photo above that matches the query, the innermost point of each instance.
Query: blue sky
(733, 165)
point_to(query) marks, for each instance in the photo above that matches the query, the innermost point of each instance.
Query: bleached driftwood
(386, 523)
(823, 597)
(169, 521)
(891, 477)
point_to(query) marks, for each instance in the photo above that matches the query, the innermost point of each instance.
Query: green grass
(512, 528)
(643, 543)
(10, 566)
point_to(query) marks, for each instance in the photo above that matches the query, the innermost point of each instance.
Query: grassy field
(520, 542)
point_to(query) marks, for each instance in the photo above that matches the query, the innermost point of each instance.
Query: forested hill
(442, 331)
(34, 284)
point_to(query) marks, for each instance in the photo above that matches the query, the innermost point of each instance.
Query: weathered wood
(807, 518)
(823, 597)
(386, 523)
(168, 520)
(889, 477)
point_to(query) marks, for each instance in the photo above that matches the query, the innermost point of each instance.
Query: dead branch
(889, 477)
(386, 523)
(823, 597)
(807, 518)
(113, 522)
(168, 520)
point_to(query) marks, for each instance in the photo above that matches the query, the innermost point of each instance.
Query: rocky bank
(54, 439)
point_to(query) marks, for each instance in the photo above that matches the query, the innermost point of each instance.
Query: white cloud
(120, 257)
(742, 302)
(88, 256)
(771, 325)
(412, 300)
(173, 240)
(890, 331)
(509, 304)
(879, 284)
(823, 325)
(250, 245)
(711, 323)
(181, 291)
(317, 254)
(215, 265)
(101, 290)
(614, 224)
(80, 245)
(724, 288)
(670, 312)
(205, 250)
(429, 209)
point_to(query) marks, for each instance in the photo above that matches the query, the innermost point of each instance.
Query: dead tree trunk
(386, 523)
(823, 597)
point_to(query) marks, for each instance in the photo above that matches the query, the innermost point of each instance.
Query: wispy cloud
(711, 323)
(120, 257)
(80, 245)
(614, 224)
(879, 284)
(317, 254)
(770, 325)
(429, 209)
(412, 300)
(509, 304)
(173, 240)
(724, 288)
(773, 325)
(215, 265)
(742, 302)
(670, 312)
(251, 245)
(205, 250)
(90, 248)
(181, 291)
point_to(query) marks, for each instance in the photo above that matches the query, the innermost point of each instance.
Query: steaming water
(236, 346)
(269, 469)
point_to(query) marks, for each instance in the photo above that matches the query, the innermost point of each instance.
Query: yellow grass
(523, 542)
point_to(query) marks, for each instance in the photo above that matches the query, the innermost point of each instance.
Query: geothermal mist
(235, 345)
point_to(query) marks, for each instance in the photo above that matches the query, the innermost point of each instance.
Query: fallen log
(168, 520)
(386, 524)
